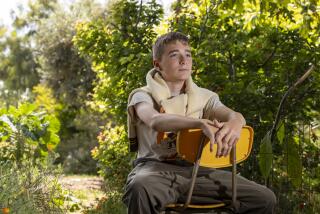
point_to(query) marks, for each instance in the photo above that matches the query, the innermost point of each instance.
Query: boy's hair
(163, 40)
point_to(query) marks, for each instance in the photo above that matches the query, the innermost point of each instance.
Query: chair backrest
(188, 143)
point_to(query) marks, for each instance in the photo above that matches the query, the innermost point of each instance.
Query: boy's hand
(227, 136)
(210, 128)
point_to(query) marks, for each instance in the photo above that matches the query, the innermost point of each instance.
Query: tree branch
(299, 81)
(232, 71)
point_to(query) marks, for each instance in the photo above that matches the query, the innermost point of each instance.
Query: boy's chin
(182, 78)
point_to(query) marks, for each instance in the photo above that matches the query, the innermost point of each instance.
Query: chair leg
(234, 180)
(195, 171)
(193, 179)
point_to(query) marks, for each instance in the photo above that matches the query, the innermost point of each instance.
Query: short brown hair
(163, 40)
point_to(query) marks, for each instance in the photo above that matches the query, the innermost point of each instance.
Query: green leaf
(54, 139)
(27, 108)
(294, 164)
(54, 123)
(281, 133)
(265, 156)
(123, 60)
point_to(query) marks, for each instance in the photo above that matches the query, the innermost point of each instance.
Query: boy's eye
(173, 55)
(188, 54)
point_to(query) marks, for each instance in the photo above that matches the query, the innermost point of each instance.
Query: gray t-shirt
(147, 137)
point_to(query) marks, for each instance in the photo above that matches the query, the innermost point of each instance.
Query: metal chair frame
(182, 208)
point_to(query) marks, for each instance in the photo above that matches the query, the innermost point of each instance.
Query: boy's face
(176, 62)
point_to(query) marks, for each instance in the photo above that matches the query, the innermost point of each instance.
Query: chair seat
(196, 206)
(218, 208)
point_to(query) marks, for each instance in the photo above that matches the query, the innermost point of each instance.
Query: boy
(171, 102)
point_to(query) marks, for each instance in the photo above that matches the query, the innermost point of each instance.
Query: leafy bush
(30, 189)
(120, 50)
(114, 161)
(113, 156)
(111, 204)
(27, 132)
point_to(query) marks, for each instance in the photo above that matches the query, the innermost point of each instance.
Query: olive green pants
(152, 185)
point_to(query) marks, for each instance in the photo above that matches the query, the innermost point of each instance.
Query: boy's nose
(182, 59)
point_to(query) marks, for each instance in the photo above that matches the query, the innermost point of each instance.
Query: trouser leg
(153, 185)
(217, 185)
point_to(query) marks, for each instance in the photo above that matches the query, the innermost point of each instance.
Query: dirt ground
(80, 182)
(84, 190)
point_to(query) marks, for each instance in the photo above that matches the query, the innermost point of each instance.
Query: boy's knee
(270, 198)
(135, 190)
(140, 184)
(259, 198)
(267, 200)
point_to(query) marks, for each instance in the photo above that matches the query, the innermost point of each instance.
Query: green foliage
(113, 156)
(27, 132)
(294, 165)
(265, 156)
(250, 52)
(30, 189)
(114, 161)
(120, 50)
(120, 63)
(71, 78)
(43, 97)
(251, 56)
(111, 204)
(40, 47)
(281, 133)
(62, 69)
(18, 68)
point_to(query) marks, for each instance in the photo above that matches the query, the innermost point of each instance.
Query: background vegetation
(66, 72)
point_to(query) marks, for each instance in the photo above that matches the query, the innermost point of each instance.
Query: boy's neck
(176, 88)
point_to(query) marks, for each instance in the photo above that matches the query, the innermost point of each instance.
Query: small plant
(29, 189)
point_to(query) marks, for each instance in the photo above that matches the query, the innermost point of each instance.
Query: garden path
(85, 191)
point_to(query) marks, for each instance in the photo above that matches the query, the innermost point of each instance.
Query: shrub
(114, 161)
(113, 156)
(30, 189)
(27, 132)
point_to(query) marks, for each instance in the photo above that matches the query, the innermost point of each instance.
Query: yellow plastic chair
(194, 147)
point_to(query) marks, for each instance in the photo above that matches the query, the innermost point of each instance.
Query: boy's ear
(156, 65)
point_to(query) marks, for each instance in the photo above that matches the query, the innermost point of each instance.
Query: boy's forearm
(172, 122)
(236, 116)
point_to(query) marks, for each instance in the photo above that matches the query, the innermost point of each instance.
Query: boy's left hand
(227, 136)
